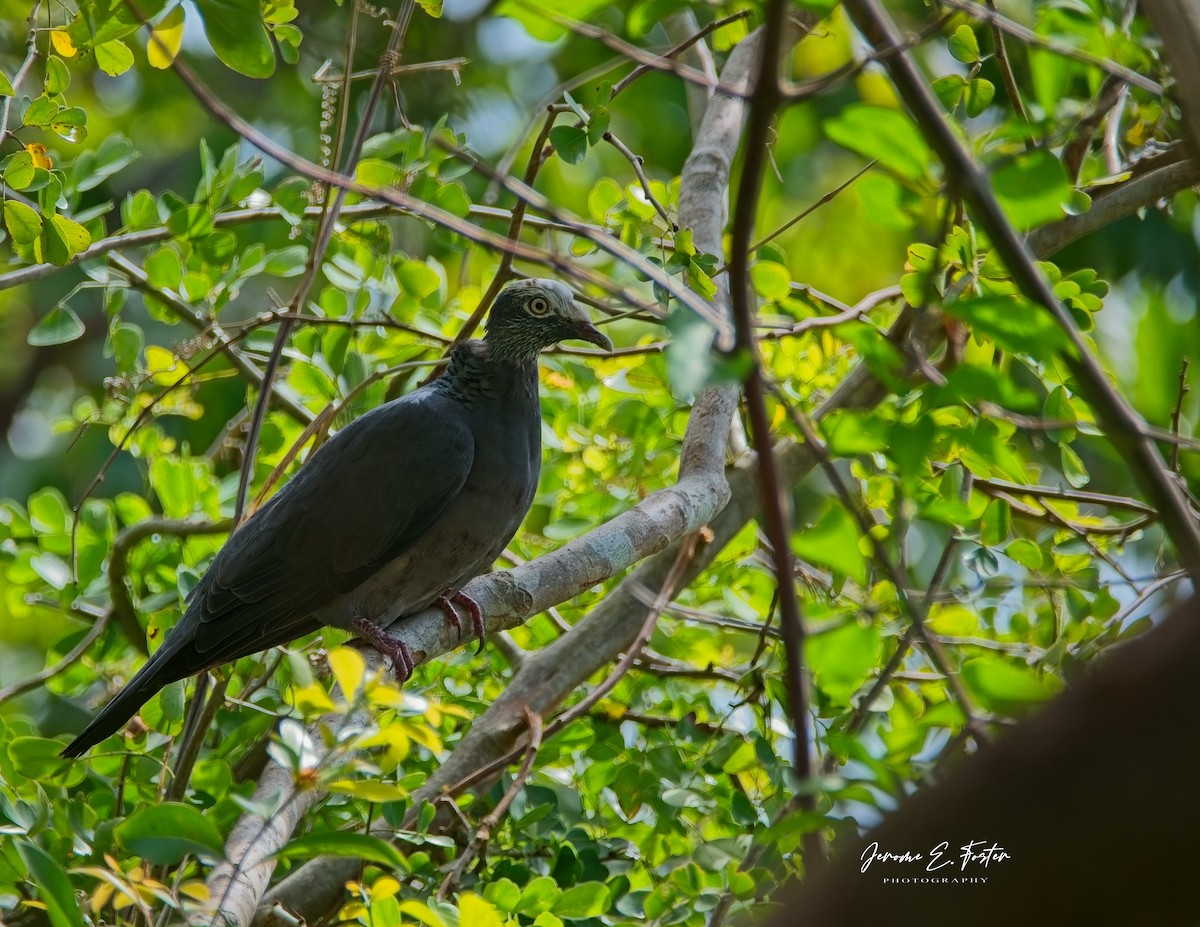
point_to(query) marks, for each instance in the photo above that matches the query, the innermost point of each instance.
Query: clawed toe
(446, 602)
(393, 648)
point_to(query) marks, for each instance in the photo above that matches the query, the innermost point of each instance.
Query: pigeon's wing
(363, 499)
(368, 495)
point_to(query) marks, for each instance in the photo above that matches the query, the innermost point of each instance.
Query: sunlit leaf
(165, 39)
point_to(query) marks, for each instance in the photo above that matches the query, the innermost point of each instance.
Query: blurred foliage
(118, 409)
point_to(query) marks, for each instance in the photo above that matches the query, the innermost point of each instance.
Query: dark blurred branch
(1106, 736)
(1113, 202)
(764, 100)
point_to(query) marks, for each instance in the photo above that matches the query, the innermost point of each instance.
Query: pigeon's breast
(477, 526)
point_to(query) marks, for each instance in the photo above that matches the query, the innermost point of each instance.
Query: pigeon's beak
(586, 331)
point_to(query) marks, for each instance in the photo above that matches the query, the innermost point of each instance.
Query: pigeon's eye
(539, 306)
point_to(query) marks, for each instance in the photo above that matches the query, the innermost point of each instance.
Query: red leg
(392, 648)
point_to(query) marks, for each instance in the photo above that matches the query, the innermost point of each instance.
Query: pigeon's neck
(475, 373)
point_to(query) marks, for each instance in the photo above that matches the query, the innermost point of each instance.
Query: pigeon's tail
(155, 674)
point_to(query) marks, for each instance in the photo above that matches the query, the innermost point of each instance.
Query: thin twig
(68, 660)
(1015, 29)
(31, 57)
(1006, 71)
(636, 161)
(1177, 412)
(479, 842)
(679, 49)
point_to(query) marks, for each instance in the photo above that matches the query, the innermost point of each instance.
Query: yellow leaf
(41, 157)
(312, 700)
(385, 887)
(369, 790)
(422, 735)
(62, 43)
(165, 39)
(194, 889)
(475, 911)
(162, 365)
(419, 910)
(348, 668)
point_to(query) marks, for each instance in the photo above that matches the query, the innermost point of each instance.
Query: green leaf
(23, 223)
(58, 326)
(37, 757)
(996, 524)
(418, 278)
(1033, 188)
(1004, 685)
(58, 78)
(237, 34)
(887, 135)
(164, 834)
(964, 46)
(18, 173)
(538, 896)
(588, 899)
(950, 90)
(6, 87)
(54, 887)
(1073, 468)
(431, 7)
(979, 94)
(848, 433)
(841, 658)
(40, 112)
(1014, 324)
(114, 58)
(598, 124)
(61, 240)
(1026, 553)
(771, 280)
(833, 542)
(571, 143)
(349, 845)
(505, 894)
(75, 235)
(163, 269)
(190, 222)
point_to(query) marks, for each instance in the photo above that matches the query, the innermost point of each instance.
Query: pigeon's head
(530, 315)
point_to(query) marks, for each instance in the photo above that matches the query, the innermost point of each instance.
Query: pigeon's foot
(446, 602)
(392, 648)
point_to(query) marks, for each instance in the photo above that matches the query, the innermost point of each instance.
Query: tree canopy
(893, 446)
